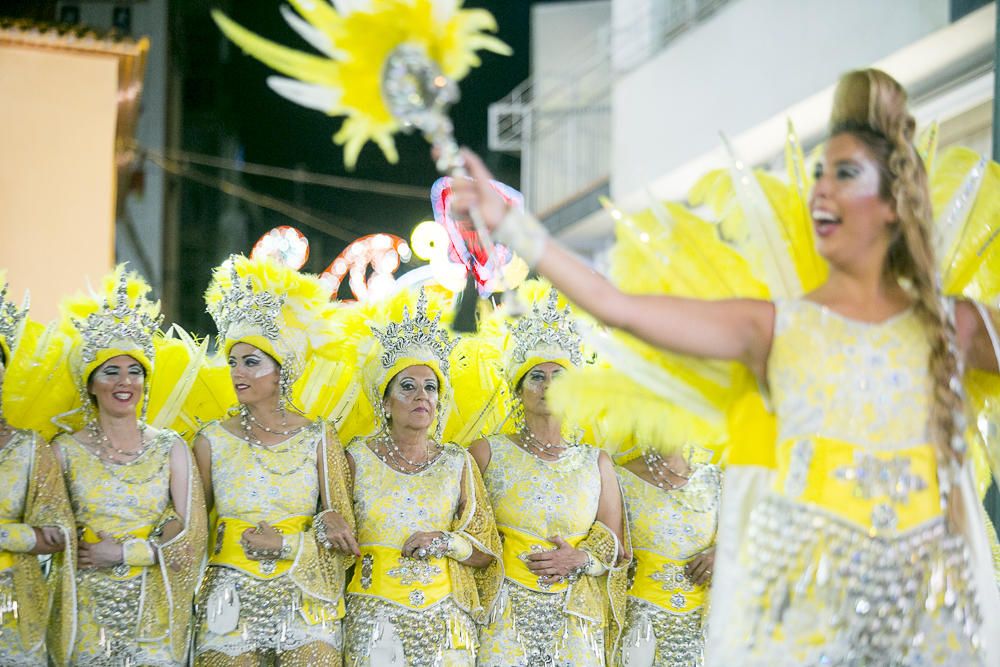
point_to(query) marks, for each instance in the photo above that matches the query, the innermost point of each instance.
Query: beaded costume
(34, 496)
(666, 612)
(287, 609)
(402, 610)
(137, 612)
(847, 553)
(535, 622)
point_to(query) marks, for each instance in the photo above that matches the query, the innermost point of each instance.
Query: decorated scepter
(391, 66)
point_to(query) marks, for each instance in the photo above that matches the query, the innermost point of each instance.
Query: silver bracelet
(574, 575)
(319, 527)
(523, 234)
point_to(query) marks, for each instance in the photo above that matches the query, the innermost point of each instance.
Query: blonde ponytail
(871, 105)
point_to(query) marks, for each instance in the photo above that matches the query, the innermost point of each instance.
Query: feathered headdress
(407, 329)
(274, 308)
(46, 385)
(120, 319)
(356, 40)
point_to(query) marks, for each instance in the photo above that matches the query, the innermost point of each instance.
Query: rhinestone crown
(400, 339)
(11, 318)
(546, 327)
(119, 321)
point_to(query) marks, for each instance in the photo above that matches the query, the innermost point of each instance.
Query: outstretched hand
(477, 193)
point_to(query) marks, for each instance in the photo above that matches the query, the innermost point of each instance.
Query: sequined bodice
(389, 506)
(15, 468)
(838, 378)
(117, 498)
(675, 524)
(543, 497)
(255, 483)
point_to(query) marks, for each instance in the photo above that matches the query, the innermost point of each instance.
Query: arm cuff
(17, 537)
(595, 568)
(460, 548)
(138, 553)
(523, 234)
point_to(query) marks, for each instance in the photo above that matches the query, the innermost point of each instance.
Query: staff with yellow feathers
(138, 509)
(35, 518)
(558, 507)
(429, 565)
(283, 530)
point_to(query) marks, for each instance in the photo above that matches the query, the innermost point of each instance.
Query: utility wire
(264, 201)
(296, 175)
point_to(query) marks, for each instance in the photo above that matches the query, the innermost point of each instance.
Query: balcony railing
(561, 125)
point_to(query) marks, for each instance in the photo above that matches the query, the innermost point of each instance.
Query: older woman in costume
(559, 509)
(35, 517)
(137, 504)
(428, 567)
(277, 479)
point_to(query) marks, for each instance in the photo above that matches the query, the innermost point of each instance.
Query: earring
(284, 389)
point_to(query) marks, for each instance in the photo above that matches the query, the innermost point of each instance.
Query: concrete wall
(747, 62)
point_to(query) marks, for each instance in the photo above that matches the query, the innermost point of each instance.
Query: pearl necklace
(106, 451)
(532, 442)
(655, 464)
(393, 455)
(248, 421)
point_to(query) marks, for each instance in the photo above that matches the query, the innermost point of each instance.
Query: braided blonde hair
(871, 106)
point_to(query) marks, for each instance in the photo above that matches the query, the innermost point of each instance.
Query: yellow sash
(662, 581)
(6, 557)
(409, 582)
(118, 572)
(517, 546)
(225, 549)
(851, 482)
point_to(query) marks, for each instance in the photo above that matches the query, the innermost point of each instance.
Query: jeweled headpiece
(120, 323)
(12, 321)
(274, 308)
(547, 333)
(242, 306)
(419, 336)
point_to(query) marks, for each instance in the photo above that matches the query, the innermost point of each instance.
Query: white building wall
(749, 61)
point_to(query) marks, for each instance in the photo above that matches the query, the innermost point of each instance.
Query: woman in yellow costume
(671, 488)
(869, 547)
(132, 484)
(429, 546)
(277, 479)
(672, 504)
(35, 519)
(559, 509)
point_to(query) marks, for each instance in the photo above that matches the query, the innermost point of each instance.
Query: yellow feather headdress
(280, 311)
(407, 329)
(356, 40)
(46, 386)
